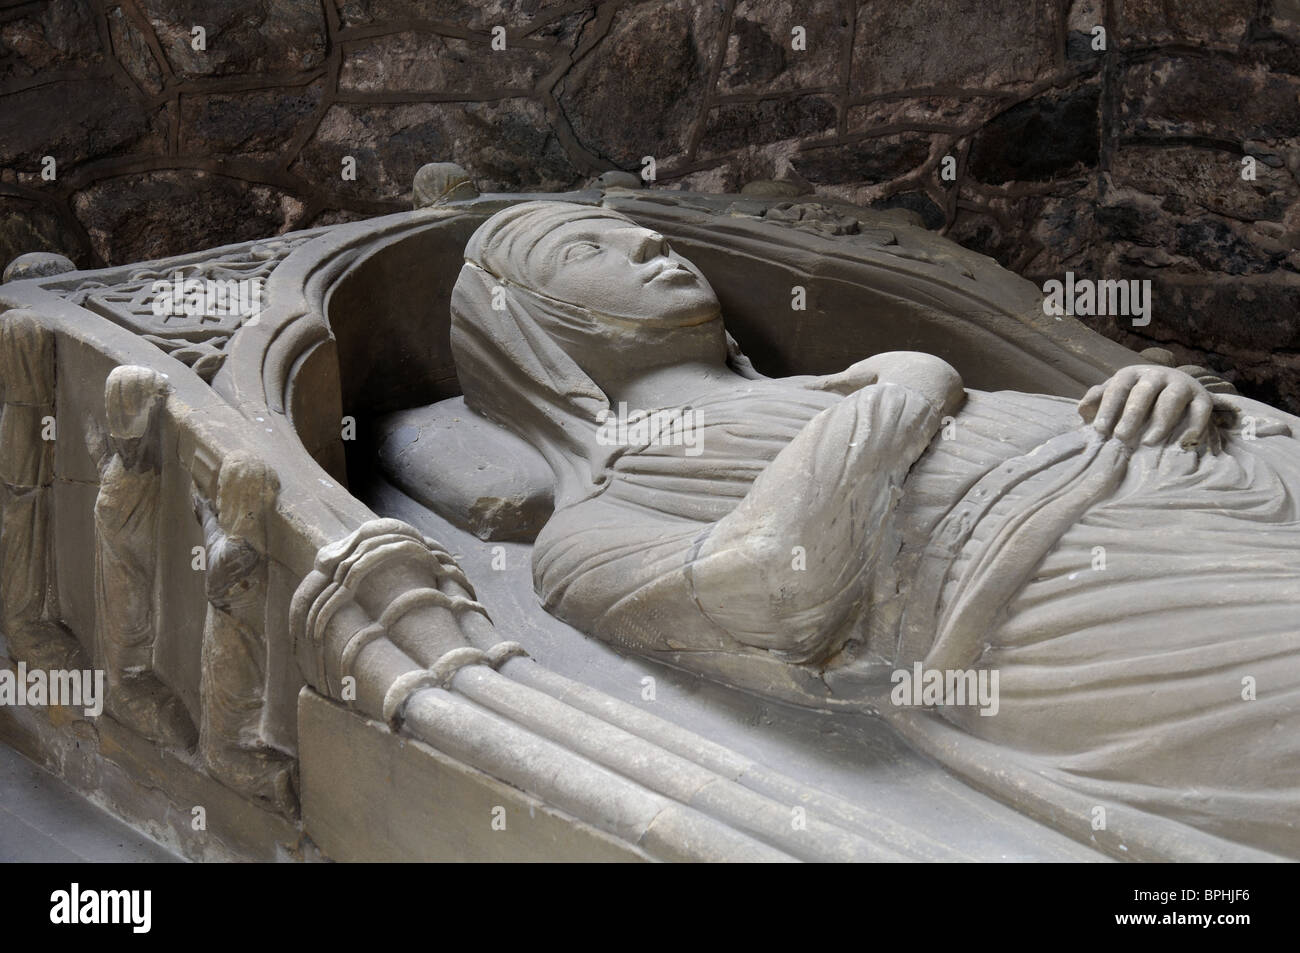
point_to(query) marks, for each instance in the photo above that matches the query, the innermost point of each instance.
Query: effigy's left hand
(1150, 402)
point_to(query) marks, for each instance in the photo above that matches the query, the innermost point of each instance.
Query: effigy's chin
(384, 523)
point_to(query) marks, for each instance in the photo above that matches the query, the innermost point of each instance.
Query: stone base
(371, 795)
(153, 790)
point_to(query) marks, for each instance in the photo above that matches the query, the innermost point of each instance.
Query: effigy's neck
(671, 385)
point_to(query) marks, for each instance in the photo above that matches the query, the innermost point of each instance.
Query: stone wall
(1125, 162)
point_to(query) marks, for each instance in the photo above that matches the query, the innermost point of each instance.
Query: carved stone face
(246, 489)
(621, 269)
(131, 395)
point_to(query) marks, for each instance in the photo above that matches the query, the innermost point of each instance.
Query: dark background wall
(1117, 164)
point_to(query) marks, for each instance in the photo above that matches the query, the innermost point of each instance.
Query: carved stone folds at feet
(149, 708)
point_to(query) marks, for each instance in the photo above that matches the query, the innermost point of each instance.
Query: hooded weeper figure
(1124, 563)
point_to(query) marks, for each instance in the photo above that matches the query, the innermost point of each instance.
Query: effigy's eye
(582, 249)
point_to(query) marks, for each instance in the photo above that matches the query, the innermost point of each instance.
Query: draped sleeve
(618, 565)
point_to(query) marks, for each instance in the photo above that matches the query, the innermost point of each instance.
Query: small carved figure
(26, 470)
(233, 683)
(126, 532)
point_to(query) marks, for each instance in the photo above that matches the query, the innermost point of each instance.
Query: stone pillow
(468, 470)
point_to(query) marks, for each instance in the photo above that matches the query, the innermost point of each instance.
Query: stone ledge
(151, 789)
(370, 795)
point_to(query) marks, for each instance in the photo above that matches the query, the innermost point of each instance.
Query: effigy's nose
(651, 245)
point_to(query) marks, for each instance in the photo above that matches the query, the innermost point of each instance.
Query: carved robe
(126, 515)
(1140, 605)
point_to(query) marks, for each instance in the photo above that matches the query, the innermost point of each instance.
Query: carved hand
(932, 377)
(1154, 399)
(847, 381)
(204, 511)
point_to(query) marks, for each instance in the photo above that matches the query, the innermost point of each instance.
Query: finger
(846, 382)
(1137, 408)
(1168, 410)
(1112, 402)
(1198, 416)
(1091, 400)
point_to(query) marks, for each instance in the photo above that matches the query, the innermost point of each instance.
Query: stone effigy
(825, 534)
(422, 554)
